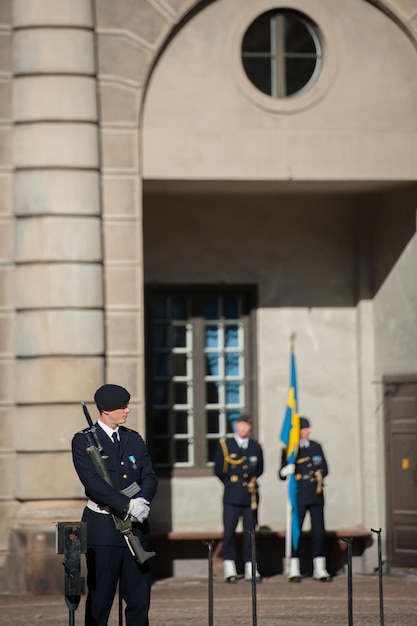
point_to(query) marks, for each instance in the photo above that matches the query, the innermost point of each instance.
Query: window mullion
(199, 388)
(278, 27)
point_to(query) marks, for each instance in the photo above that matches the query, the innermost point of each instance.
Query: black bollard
(210, 543)
(381, 597)
(253, 558)
(348, 540)
(71, 541)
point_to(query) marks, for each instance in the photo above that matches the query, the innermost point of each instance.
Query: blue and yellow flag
(290, 439)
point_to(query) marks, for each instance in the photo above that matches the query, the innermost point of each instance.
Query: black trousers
(231, 515)
(318, 544)
(105, 565)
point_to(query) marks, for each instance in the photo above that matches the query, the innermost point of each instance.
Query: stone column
(58, 281)
(126, 32)
(7, 315)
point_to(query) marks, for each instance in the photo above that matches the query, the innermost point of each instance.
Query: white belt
(97, 508)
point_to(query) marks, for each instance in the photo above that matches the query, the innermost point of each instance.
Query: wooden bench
(270, 547)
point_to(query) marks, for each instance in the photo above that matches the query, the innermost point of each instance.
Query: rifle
(95, 450)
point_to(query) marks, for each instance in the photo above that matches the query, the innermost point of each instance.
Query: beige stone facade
(133, 151)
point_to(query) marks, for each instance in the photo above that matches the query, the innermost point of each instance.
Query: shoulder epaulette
(83, 431)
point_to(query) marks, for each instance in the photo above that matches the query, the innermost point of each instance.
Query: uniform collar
(242, 443)
(109, 431)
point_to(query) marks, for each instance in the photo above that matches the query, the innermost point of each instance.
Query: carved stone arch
(188, 11)
(406, 20)
(399, 12)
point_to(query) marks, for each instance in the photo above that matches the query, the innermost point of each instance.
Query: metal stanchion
(253, 558)
(210, 543)
(381, 597)
(71, 541)
(348, 540)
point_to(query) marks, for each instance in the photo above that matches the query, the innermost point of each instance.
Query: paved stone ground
(185, 602)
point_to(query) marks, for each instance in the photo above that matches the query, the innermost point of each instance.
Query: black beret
(244, 417)
(111, 397)
(304, 422)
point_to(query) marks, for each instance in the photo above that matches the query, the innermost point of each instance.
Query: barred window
(198, 371)
(281, 53)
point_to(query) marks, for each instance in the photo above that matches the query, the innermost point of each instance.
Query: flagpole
(288, 537)
(290, 512)
(288, 534)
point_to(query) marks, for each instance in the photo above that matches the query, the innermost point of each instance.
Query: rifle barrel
(87, 415)
(92, 427)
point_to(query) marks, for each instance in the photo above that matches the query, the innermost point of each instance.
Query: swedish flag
(290, 439)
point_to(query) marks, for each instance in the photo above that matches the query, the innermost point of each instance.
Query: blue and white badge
(133, 461)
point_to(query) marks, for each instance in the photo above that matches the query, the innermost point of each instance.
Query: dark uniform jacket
(310, 470)
(238, 469)
(131, 464)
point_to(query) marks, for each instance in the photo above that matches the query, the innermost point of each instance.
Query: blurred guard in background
(310, 470)
(238, 464)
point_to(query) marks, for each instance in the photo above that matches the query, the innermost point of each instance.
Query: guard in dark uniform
(108, 556)
(310, 470)
(238, 464)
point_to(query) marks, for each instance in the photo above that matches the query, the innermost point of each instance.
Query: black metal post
(348, 540)
(71, 541)
(381, 592)
(210, 544)
(72, 603)
(253, 555)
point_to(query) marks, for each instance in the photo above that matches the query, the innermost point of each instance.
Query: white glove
(139, 510)
(287, 470)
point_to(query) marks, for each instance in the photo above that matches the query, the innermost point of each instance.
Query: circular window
(281, 53)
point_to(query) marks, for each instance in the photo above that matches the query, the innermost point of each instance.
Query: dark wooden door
(400, 409)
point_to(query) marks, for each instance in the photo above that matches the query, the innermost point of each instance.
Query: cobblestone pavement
(185, 602)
